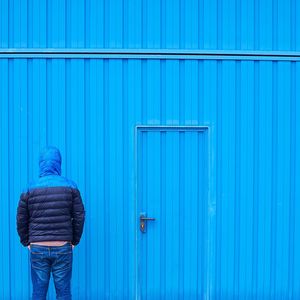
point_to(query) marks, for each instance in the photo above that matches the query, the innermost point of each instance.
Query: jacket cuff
(25, 243)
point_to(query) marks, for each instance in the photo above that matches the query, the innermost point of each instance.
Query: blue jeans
(55, 259)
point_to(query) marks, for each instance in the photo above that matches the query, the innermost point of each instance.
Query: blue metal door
(172, 171)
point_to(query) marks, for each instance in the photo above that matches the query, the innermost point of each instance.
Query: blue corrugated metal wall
(89, 103)
(193, 24)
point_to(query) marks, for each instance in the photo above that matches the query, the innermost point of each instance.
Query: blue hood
(50, 162)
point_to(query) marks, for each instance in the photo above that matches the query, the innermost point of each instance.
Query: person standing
(50, 220)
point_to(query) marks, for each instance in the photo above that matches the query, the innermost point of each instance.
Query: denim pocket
(63, 260)
(37, 260)
(35, 252)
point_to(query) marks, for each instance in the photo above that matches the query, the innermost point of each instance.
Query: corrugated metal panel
(89, 108)
(193, 24)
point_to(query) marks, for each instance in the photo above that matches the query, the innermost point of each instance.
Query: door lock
(143, 222)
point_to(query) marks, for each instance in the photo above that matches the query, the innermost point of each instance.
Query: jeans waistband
(46, 246)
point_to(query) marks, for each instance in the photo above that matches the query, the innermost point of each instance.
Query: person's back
(50, 219)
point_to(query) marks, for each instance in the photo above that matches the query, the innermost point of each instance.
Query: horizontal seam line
(60, 221)
(148, 51)
(142, 53)
(48, 194)
(55, 234)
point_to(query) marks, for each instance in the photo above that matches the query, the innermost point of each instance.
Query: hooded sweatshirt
(51, 208)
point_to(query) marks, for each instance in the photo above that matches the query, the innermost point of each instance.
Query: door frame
(211, 182)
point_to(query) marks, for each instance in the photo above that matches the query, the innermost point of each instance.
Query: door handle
(143, 221)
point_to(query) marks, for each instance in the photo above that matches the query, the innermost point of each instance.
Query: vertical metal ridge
(162, 43)
(85, 23)
(86, 184)
(4, 154)
(209, 278)
(292, 179)
(218, 284)
(81, 167)
(237, 176)
(12, 165)
(256, 43)
(4, 26)
(29, 24)
(297, 22)
(182, 24)
(297, 168)
(256, 161)
(201, 25)
(106, 23)
(274, 178)
(124, 25)
(284, 164)
(86, 79)
(29, 142)
(48, 34)
(163, 91)
(106, 175)
(199, 215)
(229, 170)
(143, 92)
(275, 25)
(206, 214)
(182, 76)
(162, 215)
(219, 33)
(163, 171)
(238, 24)
(293, 25)
(67, 64)
(182, 212)
(9, 159)
(145, 191)
(17, 164)
(123, 143)
(124, 147)
(284, 26)
(128, 161)
(200, 94)
(144, 26)
(118, 140)
(48, 98)
(10, 24)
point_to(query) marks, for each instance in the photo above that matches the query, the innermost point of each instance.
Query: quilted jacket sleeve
(78, 215)
(23, 219)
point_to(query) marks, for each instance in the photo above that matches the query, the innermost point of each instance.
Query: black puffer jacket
(51, 209)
